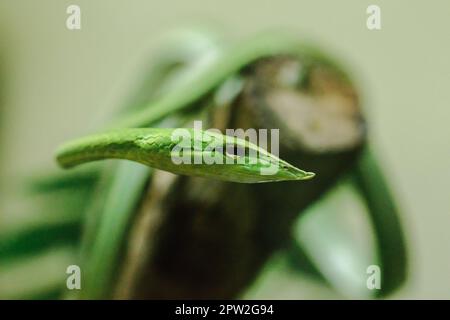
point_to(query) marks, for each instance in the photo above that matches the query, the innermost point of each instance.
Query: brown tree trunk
(198, 238)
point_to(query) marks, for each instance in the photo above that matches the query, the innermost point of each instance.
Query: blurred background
(57, 84)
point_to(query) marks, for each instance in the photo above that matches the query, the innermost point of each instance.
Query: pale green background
(57, 84)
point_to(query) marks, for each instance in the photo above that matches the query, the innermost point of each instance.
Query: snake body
(154, 146)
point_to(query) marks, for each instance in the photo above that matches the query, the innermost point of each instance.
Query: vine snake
(118, 196)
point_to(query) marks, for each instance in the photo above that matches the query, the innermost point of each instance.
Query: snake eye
(234, 151)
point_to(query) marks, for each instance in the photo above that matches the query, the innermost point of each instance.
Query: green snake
(119, 186)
